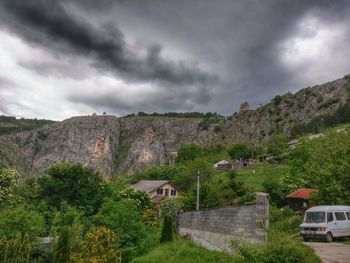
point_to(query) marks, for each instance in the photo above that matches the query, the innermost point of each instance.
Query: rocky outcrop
(106, 143)
(121, 145)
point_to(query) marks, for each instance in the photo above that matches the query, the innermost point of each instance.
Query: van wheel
(306, 239)
(329, 237)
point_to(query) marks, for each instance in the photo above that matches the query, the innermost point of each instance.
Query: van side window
(348, 215)
(330, 217)
(340, 216)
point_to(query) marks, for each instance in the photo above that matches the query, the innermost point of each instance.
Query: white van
(326, 222)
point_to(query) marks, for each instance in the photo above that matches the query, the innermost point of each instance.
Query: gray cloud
(51, 25)
(209, 55)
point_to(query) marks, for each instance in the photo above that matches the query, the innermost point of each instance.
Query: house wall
(215, 228)
(165, 186)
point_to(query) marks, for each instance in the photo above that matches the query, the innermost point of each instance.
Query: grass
(184, 251)
(262, 172)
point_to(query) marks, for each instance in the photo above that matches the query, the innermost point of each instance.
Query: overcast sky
(61, 58)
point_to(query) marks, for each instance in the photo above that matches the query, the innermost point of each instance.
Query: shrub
(150, 217)
(167, 230)
(100, 245)
(18, 249)
(277, 100)
(280, 249)
(8, 181)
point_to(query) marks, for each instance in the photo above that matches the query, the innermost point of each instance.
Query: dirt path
(331, 252)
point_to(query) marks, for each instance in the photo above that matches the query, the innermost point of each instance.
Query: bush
(18, 249)
(100, 245)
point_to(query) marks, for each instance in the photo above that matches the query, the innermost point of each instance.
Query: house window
(160, 191)
(173, 193)
(340, 216)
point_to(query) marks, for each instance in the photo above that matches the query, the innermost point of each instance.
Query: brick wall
(215, 228)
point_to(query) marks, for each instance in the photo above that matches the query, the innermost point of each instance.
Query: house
(300, 198)
(157, 190)
(223, 165)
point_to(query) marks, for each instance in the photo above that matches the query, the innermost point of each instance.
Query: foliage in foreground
(281, 248)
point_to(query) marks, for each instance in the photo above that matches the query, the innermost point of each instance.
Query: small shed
(223, 165)
(300, 198)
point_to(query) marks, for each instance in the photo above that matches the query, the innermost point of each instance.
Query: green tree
(140, 198)
(324, 164)
(21, 220)
(167, 230)
(124, 218)
(71, 217)
(171, 206)
(8, 182)
(240, 151)
(278, 145)
(188, 152)
(74, 185)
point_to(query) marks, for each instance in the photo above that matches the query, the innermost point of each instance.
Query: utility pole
(197, 207)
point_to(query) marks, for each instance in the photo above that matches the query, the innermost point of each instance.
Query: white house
(157, 190)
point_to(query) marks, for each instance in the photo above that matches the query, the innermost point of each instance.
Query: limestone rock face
(122, 145)
(106, 143)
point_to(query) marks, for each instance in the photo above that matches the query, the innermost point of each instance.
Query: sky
(63, 58)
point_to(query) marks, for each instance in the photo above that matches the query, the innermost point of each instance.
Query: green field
(262, 173)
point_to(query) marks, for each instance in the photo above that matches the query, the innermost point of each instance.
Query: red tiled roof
(302, 193)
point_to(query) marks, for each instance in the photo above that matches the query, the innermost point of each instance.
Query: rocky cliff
(113, 145)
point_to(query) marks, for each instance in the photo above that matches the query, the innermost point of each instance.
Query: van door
(341, 224)
(331, 223)
(348, 223)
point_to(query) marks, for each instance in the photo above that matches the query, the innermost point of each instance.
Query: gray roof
(149, 185)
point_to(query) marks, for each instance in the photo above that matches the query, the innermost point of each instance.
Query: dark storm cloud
(237, 45)
(47, 22)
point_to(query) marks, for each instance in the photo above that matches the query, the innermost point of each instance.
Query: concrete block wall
(215, 228)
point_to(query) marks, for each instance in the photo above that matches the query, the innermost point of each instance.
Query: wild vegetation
(93, 220)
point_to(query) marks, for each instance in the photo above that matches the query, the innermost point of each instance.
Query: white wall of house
(165, 190)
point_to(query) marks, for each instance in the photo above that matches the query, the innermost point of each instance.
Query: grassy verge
(184, 251)
(262, 172)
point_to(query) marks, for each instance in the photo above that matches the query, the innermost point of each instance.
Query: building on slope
(157, 190)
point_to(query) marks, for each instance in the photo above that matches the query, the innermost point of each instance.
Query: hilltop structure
(244, 107)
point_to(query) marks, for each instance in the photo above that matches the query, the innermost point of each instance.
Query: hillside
(121, 145)
(10, 125)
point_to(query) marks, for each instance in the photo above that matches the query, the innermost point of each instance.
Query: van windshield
(315, 217)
